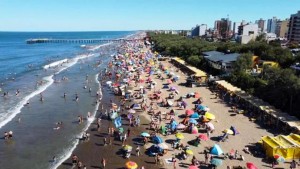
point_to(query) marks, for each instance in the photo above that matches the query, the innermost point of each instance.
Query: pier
(82, 41)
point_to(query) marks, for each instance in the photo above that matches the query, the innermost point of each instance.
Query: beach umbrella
(228, 131)
(163, 146)
(131, 111)
(200, 107)
(189, 112)
(197, 95)
(193, 167)
(216, 162)
(189, 152)
(235, 131)
(173, 88)
(127, 148)
(194, 130)
(210, 116)
(195, 115)
(203, 137)
(210, 125)
(179, 136)
(157, 139)
(145, 134)
(169, 81)
(193, 121)
(181, 126)
(280, 160)
(251, 166)
(172, 73)
(216, 150)
(131, 165)
(170, 102)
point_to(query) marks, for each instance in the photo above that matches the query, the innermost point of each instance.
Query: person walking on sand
(128, 132)
(104, 141)
(103, 162)
(137, 150)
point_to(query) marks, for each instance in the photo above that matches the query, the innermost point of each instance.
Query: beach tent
(210, 125)
(157, 139)
(216, 150)
(235, 131)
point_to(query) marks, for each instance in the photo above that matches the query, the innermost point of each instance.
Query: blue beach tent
(216, 150)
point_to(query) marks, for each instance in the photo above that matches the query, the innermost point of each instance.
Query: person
(104, 141)
(5, 135)
(236, 154)
(103, 162)
(293, 164)
(65, 95)
(79, 165)
(137, 150)
(128, 132)
(74, 159)
(174, 162)
(206, 156)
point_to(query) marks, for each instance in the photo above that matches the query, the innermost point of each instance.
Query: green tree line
(278, 86)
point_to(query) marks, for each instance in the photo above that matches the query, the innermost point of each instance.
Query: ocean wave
(68, 152)
(56, 63)
(12, 112)
(93, 48)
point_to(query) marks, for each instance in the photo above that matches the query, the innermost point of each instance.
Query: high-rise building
(261, 24)
(294, 27)
(271, 25)
(282, 28)
(247, 32)
(223, 28)
(199, 30)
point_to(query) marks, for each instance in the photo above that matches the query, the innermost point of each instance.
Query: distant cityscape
(286, 30)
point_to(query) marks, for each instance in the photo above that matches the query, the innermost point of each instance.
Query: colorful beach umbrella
(145, 134)
(189, 112)
(210, 125)
(131, 111)
(280, 160)
(228, 131)
(179, 136)
(210, 116)
(193, 167)
(216, 150)
(180, 126)
(216, 162)
(203, 137)
(251, 166)
(127, 148)
(193, 121)
(163, 146)
(194, 130)
(157, 139)
(189, 152)
(169, 81)
(131, 165)
(195, 115)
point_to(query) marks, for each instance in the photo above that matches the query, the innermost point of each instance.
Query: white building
(247, 32)
(199, 30)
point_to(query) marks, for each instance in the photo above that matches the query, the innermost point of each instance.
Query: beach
(91, 153)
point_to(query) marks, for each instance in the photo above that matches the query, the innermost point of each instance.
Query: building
(221, 61)
(282, 28)
(199, 30)
(270, 37)
(223, 28)
(271, 25)
(247, 32)
(261, 25)
(236, 28)
(294, 28)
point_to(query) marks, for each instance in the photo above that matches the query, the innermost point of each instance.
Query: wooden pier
(82, 41)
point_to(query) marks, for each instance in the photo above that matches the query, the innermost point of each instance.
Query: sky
(101, 15)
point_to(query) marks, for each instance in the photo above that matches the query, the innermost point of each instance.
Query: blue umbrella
(157, 139)
(216, 162)
(195, 115)
(145, 134)
(216, 150)
(193, 121)
(200, 107)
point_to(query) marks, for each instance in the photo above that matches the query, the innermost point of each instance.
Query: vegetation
(278, 86)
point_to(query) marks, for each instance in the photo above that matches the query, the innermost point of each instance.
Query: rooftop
(216, 56)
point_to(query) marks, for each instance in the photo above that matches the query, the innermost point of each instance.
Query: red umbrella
(193, 167)
(169, 81)
(251, 166)
(203, 137)
(189, 112)
(276, 156)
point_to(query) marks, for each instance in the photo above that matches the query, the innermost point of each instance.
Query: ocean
(33, 81)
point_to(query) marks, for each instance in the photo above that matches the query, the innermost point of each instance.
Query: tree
(243, 62)
(194, 60)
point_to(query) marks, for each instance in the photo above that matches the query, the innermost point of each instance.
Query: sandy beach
(91, 152)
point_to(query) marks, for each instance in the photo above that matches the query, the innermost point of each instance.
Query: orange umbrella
(131, 165)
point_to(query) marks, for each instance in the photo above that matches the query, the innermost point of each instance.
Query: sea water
(42, 73)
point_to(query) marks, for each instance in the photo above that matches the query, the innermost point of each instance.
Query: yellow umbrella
(210, 116)
(228, 131)
(179, 136)
(127, 147)
(189, 152)
(131, 165)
